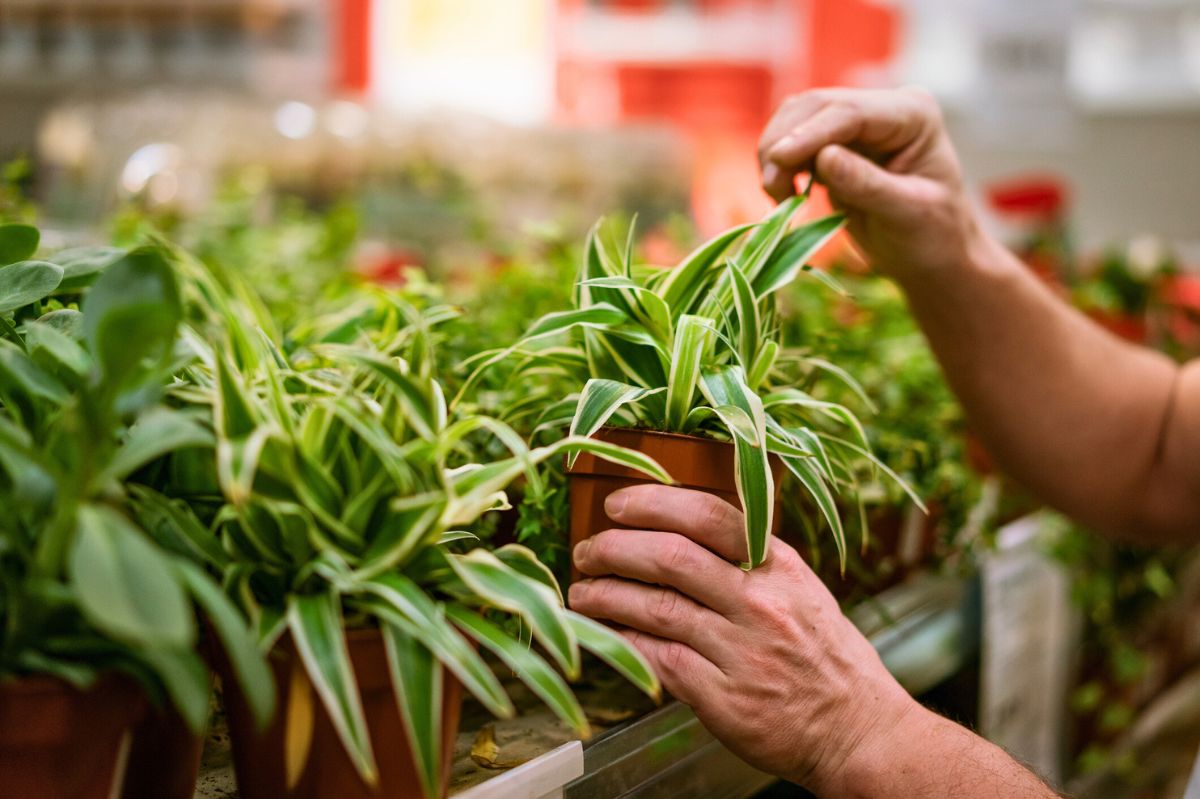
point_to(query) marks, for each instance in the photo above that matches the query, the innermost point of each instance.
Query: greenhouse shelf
(925, 630)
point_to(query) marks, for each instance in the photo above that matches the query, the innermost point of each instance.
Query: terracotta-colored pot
(164, 759)
(259, 758)
(58, 742)
(697, 463)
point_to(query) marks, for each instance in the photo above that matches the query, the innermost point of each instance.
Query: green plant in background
(84, 587)
(698, 350)
(337, 506)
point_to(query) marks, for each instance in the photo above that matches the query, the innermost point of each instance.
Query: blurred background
(450, 134)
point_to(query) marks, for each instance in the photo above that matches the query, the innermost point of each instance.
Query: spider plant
(85, 588)
(697, 350)
(339, 502)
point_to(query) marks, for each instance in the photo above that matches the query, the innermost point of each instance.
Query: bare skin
(767, 660)
(1099, 428)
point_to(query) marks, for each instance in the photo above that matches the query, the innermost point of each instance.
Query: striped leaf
(685, 282)
(614, 650)
(793, 252)
(749, 322)
(316, 626)
(532, 670)
(417, 684)
(599, 401)
(694, 338)
(502, 587)
(807, 473)
(755, 483)
(401, 601)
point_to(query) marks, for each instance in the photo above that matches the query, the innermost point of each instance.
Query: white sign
(1030, 629)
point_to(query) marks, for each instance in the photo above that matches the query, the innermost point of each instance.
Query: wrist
(882, 752)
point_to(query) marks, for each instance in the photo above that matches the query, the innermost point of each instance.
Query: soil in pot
(60, 742)
(260, 759)
(701, 464)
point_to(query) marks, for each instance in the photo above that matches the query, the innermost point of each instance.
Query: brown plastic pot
(164, 759)
(697, 463)
(59, 742)
(259, 759)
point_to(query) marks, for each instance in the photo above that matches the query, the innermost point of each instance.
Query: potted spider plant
(688, 365)
(338, 507)
(96, 616)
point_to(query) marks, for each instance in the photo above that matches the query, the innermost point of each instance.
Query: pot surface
(59, 742)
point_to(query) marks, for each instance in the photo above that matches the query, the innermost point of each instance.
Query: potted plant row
(164, 453)
(689, 365)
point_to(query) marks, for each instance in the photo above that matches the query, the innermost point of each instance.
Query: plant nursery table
(926, 630)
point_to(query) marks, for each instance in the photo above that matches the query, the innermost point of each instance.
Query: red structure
(713, 69)
(352, 19)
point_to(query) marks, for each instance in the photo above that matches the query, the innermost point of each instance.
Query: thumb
(857, 182)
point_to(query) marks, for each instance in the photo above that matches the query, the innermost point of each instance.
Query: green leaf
(601, 316)
(82, 265)
(755, 482)
(793, 253)
(18, 372)
(158, 432)
(525, 663)
(187, 681)
(316, 626)
(521, 559)
(409, 604)
(614, 650)
(417, 684)
(694, 338)
(686, 282)
(18, 242)
(413, 398)
(599, 401)
(49, 344)
(502, 587)
(750, 332)
(27, 282)
(131, 313)
(806, 472)
(189, 536)
(238, 640)
(126, 587)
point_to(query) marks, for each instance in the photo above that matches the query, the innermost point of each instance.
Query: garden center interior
(316, 363)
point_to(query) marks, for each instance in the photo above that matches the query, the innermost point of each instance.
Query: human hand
(887, 161)
(764, 657)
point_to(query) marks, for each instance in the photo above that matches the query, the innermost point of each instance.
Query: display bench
(926, 630)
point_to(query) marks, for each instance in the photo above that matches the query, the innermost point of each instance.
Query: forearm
(928, 755)
(1069, 410)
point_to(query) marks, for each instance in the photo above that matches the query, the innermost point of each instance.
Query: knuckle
(678, 556)
(715, 513)
(674, 658)
(665, 609)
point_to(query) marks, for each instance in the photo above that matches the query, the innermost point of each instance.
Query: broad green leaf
(131, 313)
(614, 650)
(18, 242)
(238, 641)
(316, 626)
(417, 685)
(686, 282)
(158, 432)
(525, 663)
(125, 585)
(26, 282)
(19, 373)
(187, 681)
(502, 587)
(599, 401)
(793, 253)
(408, 603)
(694, 338)
(47, 343)
(83, 265)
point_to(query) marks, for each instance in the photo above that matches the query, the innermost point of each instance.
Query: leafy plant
(338, 498)
(697, 350)
(85, 588)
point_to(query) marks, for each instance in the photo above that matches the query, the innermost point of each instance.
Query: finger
(660, 612)
(708, 520)
(684, 672)
(856, 182)
(667, 559)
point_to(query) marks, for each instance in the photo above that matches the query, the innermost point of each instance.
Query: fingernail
(770, 175)
(581, 550)
(615, 504)
(578, 591)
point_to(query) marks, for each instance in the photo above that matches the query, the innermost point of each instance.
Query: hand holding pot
(764, 657)
(886, 159)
